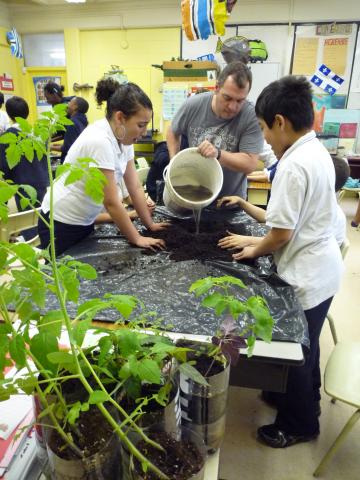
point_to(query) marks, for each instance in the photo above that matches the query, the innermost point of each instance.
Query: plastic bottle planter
(203, 409)
(169, 417)
(184, 457)
(103, 465)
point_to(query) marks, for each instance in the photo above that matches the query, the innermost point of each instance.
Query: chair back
(142, 174)
(142, 162)
(17, 222)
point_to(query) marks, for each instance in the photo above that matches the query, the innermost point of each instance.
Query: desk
(258, 192)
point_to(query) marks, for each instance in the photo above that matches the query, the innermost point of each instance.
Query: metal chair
(16, 223)
(344, 249)
(342, 382)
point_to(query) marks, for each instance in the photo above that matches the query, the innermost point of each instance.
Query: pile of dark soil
(180, 461)
(184, 244)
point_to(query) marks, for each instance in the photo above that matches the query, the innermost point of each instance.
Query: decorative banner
(326, 79)
(39, 83)
(15, 43)
(202, 18)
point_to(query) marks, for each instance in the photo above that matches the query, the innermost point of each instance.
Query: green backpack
(258, 51)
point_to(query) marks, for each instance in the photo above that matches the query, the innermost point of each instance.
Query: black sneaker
(274, 437)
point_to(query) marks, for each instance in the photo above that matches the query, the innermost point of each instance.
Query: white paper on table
(12, 412)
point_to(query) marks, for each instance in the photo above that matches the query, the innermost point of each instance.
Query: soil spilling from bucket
(181, 460)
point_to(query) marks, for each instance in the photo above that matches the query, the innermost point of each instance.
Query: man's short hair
(240, 73)
(342, 171)
(17, 107)
(290, 97)
(82, 105)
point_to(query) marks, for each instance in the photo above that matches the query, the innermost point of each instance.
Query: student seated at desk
(110, 143)
(301, 213)
(77, 109)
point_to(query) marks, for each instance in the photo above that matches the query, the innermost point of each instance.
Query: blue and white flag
(326, 79)
(15, 43)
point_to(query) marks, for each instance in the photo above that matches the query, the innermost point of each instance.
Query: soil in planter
(180, 460)
(94, 430)
(183, 243)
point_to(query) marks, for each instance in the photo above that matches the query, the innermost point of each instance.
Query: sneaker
(275, 437)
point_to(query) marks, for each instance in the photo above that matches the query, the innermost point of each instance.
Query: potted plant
(32, 343)
(203, 407)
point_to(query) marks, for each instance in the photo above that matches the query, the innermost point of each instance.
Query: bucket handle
(165, 172)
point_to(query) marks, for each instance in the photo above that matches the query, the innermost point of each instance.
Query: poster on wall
(39, 83)
(6, 83)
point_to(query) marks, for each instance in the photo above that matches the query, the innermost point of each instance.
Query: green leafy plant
(218, 294)
(32, 343)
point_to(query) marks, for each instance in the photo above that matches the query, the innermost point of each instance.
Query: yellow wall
(133, 50)
(10, 65)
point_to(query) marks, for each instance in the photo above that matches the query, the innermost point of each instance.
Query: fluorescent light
(75, 1)
(57, 55)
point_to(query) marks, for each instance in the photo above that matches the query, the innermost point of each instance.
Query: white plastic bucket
(188, 167)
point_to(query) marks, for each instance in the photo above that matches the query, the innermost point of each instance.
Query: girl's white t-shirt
(303, 199)
(71, 204)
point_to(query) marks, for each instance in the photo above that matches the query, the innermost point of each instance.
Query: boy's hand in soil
(247, 252)
(150, 243)
(230, 201)
(234, 241)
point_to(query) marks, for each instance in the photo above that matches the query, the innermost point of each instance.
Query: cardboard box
(189, 71)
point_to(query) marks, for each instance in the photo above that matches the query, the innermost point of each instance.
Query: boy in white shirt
(4, 119)
(301, 213)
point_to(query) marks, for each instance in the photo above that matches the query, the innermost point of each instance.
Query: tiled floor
(243, 458)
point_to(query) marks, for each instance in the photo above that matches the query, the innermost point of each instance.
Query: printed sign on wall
(39, 83)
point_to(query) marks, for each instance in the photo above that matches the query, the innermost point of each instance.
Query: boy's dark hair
(53, 87)
(1, 99)
(290, 97)
(125, 97)
(17, 107)
(82, 105)
(240, 73)
(342, 171)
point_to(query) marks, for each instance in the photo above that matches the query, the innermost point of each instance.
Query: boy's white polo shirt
(303, 200)
(71, 204)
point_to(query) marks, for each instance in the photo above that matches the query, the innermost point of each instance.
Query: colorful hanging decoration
(202, 18)
(14, 41)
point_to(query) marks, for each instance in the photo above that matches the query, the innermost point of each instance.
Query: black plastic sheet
(162, 279)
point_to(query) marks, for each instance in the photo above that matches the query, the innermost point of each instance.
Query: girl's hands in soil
(234, 241)
(247, 252)
(230, 201)
(150, 243)
(157, 227)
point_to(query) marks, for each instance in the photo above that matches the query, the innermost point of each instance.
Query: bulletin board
(354, 93)
(329, 44)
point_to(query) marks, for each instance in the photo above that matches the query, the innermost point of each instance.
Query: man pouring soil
(222, 124)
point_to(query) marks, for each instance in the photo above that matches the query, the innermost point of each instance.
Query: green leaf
(25, 126)
(8, 138)
(52, 322)
(61, 358)
(98, 396)
(5, 328)
(191, 372)
(128, 342)
(41, 345)
(212, 300)
(17, 351)
(27, 385)
(13, 155)
(79, 330)
(105, 345)
(201, 286)
(74, 413)
(83, 269)
(31, 193)
(27, 148)
(74, 176)
(149, 370)
(124, 304)
(7, 191)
